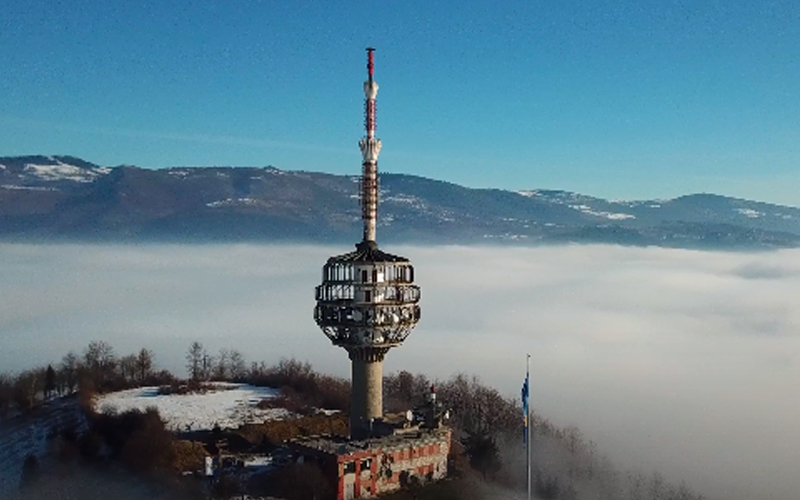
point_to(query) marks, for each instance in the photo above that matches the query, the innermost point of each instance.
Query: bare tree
(100, 361)
(68, 372)
(6, 394)
(222, 368)
(194, 360)
(404, 390)
(144, 364)
(477, 408)
(127, 368)
(257, 370)
(484, 455)
(206, 365)
(49, 382)
(26, 388)
(237, 368)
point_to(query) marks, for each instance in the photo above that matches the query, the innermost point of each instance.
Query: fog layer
(681, 361)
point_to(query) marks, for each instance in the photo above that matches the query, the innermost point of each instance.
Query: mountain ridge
(67, 198)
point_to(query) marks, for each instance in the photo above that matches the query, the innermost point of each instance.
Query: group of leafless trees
(229, 364)
(97, 368)
(300, 385)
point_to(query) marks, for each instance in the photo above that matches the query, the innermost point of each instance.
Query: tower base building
(371, 467)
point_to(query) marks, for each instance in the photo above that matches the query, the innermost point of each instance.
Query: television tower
(367, 302)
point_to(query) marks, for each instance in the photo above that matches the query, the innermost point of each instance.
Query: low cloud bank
(681, 361)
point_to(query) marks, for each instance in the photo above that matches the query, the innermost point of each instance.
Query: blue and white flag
(525, 391)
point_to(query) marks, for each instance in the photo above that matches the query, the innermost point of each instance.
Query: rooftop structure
(367, 302)
(405, 449)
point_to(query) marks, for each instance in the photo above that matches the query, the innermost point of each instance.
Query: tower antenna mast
(370, 149)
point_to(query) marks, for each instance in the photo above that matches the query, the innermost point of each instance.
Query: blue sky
(621, 99)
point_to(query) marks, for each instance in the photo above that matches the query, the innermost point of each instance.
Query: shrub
(189, 455)
(276, 432)
(305, 386)
(150, 447)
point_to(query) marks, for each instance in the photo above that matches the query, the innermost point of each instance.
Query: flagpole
(528, 429)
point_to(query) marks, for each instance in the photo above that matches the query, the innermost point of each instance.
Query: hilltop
(98, 409)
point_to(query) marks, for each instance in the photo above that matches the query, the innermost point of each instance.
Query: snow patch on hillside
(507, 236)
(578, 202)
(405, 199)
(748, 212)
(227, 405)
(233, 202)
(608, 215)
(28, 188)
(550, 195)
(61, 171)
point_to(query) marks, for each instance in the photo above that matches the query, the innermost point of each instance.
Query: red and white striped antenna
(370, 149)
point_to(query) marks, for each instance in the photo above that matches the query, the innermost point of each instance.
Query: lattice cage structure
(367, 299)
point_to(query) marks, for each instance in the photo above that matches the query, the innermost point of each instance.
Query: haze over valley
(681, 361)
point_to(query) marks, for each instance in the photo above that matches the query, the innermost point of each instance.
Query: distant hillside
(67, 198)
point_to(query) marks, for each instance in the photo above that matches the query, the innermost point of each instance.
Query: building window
(349, 467)
(364, 275)
(366, 464)
(367, 296)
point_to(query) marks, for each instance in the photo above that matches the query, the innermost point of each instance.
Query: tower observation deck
(367, 302)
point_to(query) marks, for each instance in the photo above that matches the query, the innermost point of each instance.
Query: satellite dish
(447, 415)
(410, 416)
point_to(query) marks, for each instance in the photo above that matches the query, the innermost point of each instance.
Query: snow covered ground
(22, 436)
(227, 405)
